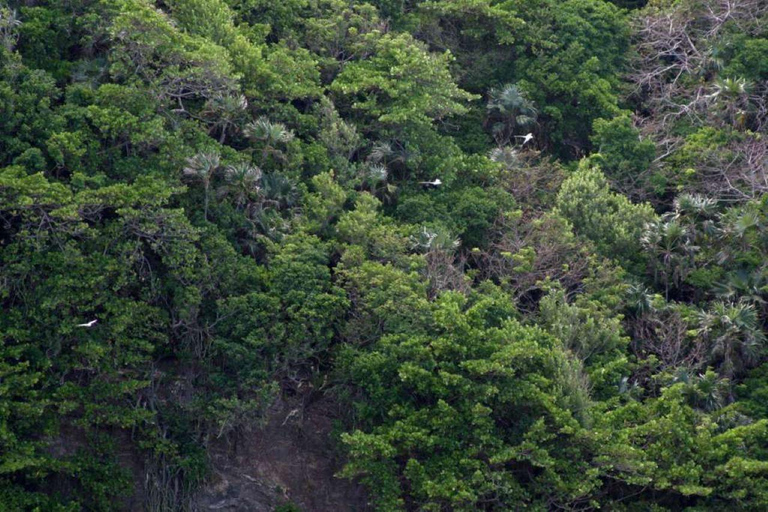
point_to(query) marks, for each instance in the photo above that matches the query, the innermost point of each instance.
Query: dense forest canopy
(520, 246)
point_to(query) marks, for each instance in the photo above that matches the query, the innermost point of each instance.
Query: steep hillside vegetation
(394, 255)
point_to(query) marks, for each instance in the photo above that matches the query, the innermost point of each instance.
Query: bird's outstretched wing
(526, 137)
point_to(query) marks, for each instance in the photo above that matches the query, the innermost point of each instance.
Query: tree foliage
(520, 244)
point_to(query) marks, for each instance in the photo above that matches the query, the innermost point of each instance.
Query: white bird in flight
(528, 137)
(434, 183)
(88, 324)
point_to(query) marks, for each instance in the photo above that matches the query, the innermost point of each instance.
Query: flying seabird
(528, 137)
(431, 184)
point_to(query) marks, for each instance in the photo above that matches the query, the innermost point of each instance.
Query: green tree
(457, 410)
(270, 136)
(509, 112)
(734, 336)
(202, 168)
(401, 84)
(623, 155)
(609, 220)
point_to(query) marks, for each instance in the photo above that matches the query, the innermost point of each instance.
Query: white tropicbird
(528, 137)
(435, 183)
(88, 324)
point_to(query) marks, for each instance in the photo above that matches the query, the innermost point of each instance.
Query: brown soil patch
(292, 459)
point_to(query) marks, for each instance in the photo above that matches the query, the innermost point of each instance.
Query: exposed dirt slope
(290, 460)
